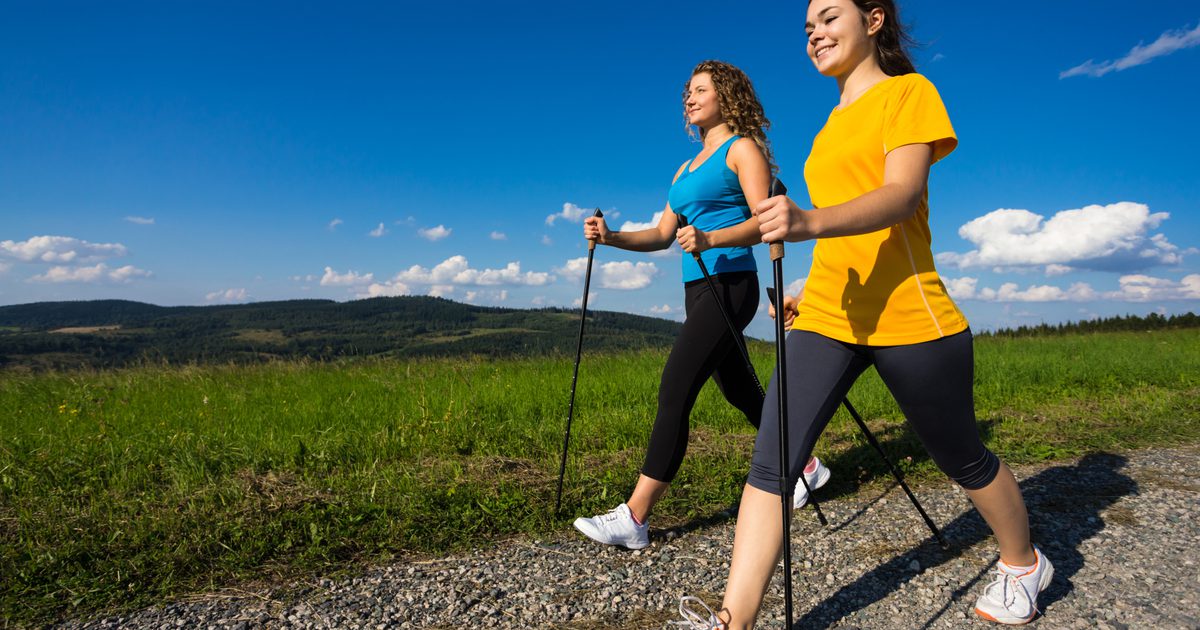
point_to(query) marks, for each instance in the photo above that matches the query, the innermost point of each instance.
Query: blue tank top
(711, 198)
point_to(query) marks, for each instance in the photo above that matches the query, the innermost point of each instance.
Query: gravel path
(1123, 532)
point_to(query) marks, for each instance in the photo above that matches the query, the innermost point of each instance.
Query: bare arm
(754, 175)
(905, 175)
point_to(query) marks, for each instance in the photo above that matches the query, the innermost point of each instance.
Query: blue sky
(206, 152)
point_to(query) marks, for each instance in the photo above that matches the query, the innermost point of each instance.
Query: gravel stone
(1123, 532)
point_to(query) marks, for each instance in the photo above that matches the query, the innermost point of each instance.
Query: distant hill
(112, 333)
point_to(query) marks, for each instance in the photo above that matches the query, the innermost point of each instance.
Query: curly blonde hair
(739, 105)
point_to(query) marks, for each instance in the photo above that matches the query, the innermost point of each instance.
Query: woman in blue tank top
(714, 191)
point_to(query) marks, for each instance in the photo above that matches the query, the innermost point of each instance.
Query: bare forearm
(883, 207)
(743, 234)
(640, 241)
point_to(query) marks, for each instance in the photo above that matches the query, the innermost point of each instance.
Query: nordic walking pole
(895, 473)
(587, 281)
(741, 345)
(785, 488)
(781, 190)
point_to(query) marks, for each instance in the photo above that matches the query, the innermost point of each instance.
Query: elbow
(910, 199)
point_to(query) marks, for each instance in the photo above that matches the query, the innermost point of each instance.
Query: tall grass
(121, 488)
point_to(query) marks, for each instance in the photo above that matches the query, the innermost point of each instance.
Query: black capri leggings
(705, 347)
(931, 381)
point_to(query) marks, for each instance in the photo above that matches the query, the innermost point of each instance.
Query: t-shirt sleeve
(915, 114)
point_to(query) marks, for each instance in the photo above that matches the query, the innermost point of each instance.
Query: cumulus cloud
(60, 249)
(456, 270)
(570, 212)
(1109, 238)
(633, 226)
(499, 236)
(140, 220)
(378, 232)
(384, 289)
(1167, 43)
(620, 275)
(434, 233)
(662, 310)
(127, 274)
(227, 296)
(546, 240)
(94, 274)
(350, 278)
(1133, 288)
(334, 223)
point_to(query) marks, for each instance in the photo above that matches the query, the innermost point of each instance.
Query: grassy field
(123, 488)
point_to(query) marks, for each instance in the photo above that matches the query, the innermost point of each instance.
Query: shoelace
(1011, 588)
(611, 515)
(695, 620)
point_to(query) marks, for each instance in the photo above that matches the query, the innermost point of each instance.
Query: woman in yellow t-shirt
(873, 298)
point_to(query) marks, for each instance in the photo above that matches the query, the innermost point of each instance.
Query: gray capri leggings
(932, 382)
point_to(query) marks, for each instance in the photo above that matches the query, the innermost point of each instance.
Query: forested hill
(109, 333)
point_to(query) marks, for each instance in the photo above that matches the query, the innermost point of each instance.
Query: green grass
(122, 488)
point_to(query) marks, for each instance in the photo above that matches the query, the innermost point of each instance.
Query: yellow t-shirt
(879, 288)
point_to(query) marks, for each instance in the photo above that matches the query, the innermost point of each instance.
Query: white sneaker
(615, 527)
(694, 620)
(817, 478)
(1012, 599)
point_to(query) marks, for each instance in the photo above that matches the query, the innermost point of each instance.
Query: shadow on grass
(1065, 505)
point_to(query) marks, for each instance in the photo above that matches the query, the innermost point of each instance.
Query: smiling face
(839, 35)
(700, 103)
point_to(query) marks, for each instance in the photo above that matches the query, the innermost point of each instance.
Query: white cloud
(1133, 288)
(93, 274)
(434, 233)
(499, 236)
(1111, 238)
(1142, 288)
(1058, 270)
(796, 286)
(4, 267)
(140, 220)
(127, 274)
(384, 289)
(60, 249)
(621, 275)
(633, 226)
(72, 274)
(456, 270)
(578, 302)
(1166, 44)
(662, 310)
(627, 276)
(570, 212)
(441, 290)
(491, 296)
(350, 278)
(538, 300)
(334, 223)
(227, 296)
(377, 232)
(546, 240)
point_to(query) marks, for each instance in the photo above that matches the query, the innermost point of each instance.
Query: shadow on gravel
(1065, 508)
